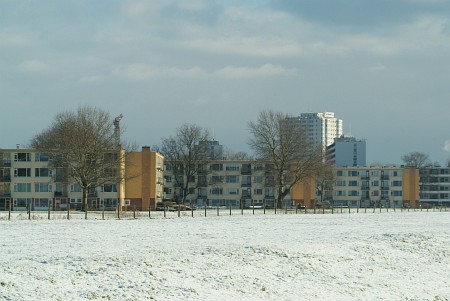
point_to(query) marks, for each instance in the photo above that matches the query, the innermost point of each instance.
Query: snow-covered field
(376, 256)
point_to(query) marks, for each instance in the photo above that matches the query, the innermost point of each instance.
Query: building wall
(347, 151)
(144, 179)
(435, 185)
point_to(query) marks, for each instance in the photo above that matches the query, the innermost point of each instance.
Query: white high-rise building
(322, 128)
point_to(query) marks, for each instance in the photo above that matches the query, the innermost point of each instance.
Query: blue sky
(381, 66)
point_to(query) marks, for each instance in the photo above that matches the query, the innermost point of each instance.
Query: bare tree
(325, 178)
(281, 141)
(187, 154)
(417, 159)
(86, 146)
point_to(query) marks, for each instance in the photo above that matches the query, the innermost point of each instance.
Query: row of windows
(47, 187)
(373, 193)
(44, 202)
(366, 183)
(38, 172)
(366, 173)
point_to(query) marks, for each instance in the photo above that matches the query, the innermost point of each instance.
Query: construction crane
(116, 123)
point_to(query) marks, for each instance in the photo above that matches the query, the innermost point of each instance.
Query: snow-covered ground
(376, 256)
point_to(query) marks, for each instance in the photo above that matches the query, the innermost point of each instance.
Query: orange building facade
(144, 179)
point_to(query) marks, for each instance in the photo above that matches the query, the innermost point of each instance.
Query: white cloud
(146, 72)
(447, 146)
(377, 68)
(34, 66)
(267, 70)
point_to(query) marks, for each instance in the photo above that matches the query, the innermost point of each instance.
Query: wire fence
(133, 213)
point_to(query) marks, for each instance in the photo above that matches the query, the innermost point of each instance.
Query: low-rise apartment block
(29, 181)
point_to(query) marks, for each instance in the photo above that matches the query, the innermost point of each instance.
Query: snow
(365, 256)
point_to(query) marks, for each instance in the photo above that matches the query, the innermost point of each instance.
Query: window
(233, 191)
(75, 188)
(353, 193)
(168, 179)
(352, 183)
(397, 173)
(375, 183)
(22, 187)
(22, 172)
(340, 173)
(340, 193)
(246, 180)
(375, 193)
(22, 202)
(232, 167)
(340, 183)
(216, 179)
(216, 190)
(168, 190)
(397, 183)
(216, 167)
(39, 157)
(75, 201)
(22, 157)
(42, 172)
(232, 179)
(109, 188)
(352, 173)
(375, 173)
(257, 191)
(42, 187)
(258, 179)
(269, 192)
(396, 193)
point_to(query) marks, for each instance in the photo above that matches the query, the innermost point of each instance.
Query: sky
(380, 66)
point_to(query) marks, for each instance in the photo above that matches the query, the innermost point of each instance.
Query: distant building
(213, 149)
(435, 185)
(347, 151)
(322, 128)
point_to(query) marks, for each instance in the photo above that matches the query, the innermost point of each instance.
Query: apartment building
(322, 128)
(376, 186)
(234, 183)
(435, 185)
(27, 180)
(347, 151)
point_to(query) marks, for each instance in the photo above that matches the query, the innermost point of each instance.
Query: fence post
(134, 212)
(68, 209)
(264, 204)
(103, 209)
(29, 211)
(205, 207)
(217, 208)
(49, 208)
(118, 209)
(229, 203)
(9, 213)
(253, 206)
(149, 208)
(242, 207)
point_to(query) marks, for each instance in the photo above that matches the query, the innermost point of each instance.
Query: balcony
(365, 177)
(246, 185)
(61, 194)
(5, 179)
(5, 163)
(385, 188)
(246, 171)
(384, 177)
(365, 187)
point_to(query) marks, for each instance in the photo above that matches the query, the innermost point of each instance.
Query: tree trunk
(85, 202)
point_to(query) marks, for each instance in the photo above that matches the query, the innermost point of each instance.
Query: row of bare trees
(277, 139)
(88, 149)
